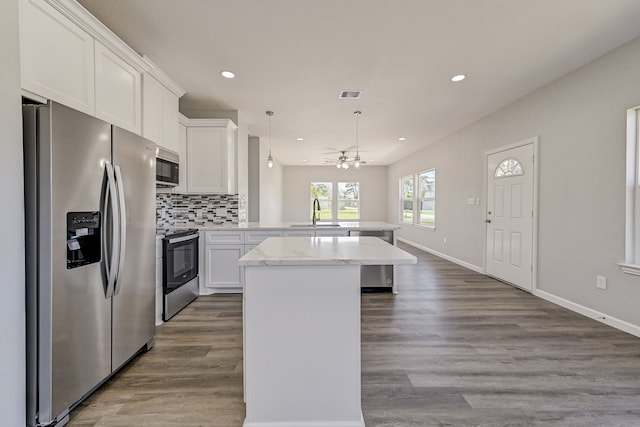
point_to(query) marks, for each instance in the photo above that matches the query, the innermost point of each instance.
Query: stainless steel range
(179, 269)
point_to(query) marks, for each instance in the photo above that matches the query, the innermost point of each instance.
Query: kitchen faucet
(316, 203)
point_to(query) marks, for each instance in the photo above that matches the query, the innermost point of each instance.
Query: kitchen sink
(323, 224)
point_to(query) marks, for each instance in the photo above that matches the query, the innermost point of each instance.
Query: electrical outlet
(601, 282)
(471, 201)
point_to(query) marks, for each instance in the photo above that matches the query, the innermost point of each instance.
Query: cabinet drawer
(225, 237)
(256, 237)
(332, 232)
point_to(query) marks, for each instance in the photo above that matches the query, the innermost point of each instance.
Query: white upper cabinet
(211, 156)
(56, 57)
(170, 105)
(68, 56)
(152, 113)
(182, 152)
(160, 104)
(118, 90)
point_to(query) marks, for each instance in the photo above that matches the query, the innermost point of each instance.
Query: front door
(510, 179)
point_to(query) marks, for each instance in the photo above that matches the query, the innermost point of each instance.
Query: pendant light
(270, 158)
(356, 160)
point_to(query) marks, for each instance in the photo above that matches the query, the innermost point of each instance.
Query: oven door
(180, 263)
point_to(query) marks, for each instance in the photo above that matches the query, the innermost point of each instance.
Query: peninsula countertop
(325, 251)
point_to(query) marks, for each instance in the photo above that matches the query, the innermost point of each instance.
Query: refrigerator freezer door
(134, 302)
(74, 314)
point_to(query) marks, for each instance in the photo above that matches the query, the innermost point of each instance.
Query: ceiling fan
(343, 161)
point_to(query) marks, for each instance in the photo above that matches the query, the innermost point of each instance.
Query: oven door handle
(182, 239)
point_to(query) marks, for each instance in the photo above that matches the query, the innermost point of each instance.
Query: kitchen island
(301, 312)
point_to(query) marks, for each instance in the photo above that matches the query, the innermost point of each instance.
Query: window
(631, 262)
(348, 200)
(343, 204)
(427, 198)
(418, 198)
(508, 167)
(406, 198)
(323, 191)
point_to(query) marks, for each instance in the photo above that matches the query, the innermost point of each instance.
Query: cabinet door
(118, 91)
(207, 160)
(182, 152)
(170, 105)
(152, 110)
(222, 269)
(56, 57)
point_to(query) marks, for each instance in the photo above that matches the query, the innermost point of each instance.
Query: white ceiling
(295, 56)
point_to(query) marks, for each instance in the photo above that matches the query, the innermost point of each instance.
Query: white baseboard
(588, 312)
(444, 256)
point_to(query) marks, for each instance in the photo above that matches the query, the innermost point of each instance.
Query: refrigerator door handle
(122, 228)
(111, 209)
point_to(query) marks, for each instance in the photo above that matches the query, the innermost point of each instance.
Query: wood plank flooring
(453, 348)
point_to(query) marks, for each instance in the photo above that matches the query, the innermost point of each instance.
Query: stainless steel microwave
(167, 168)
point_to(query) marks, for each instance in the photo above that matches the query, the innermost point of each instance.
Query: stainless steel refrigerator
(90, 230)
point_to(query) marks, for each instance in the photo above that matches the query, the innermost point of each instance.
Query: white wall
(580, 120)
(253, 173)
(270, 188)
(296, 190)
(12, 331)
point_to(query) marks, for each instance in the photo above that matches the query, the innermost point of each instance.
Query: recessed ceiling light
(304, 160)
(299, 139)
(458, 78)
(227, 74)
(402, 138)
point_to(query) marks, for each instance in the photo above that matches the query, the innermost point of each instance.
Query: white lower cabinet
(222, 269)
(222, 250)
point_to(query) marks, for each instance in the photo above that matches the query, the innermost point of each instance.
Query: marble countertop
(301, 225)
(325, 251)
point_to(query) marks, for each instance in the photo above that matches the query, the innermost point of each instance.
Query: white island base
(302, 329)
(308, 373)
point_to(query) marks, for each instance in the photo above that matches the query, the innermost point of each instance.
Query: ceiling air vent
(350, 94)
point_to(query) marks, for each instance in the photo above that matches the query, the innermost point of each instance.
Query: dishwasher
(375, 277)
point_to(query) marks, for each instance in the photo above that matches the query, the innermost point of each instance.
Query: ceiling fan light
(339, 165)
(345, 166)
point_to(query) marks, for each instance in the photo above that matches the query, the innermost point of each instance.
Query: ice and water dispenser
(83, 238)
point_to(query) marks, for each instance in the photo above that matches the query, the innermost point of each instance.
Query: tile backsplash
(197, 210)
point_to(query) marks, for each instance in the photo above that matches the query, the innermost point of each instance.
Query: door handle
(488, 221)
(110, 205)
(122, 228)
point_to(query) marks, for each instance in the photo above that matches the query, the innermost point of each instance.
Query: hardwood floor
(453, 348)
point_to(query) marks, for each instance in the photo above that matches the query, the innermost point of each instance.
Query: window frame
(334, 201)
(411, 200)
(338, 200)
(631, 264)
(322, 199)
(420, 199)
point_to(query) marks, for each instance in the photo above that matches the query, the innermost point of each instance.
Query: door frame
(534, 232)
